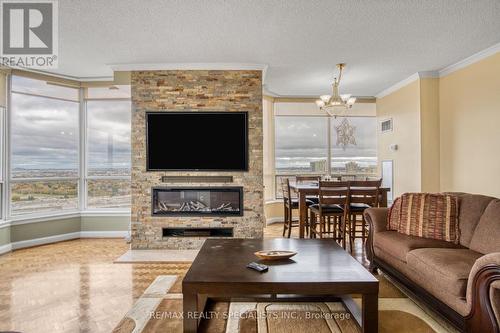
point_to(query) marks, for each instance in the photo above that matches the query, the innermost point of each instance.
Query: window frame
(82, 177)
(3, 135)
(328, 156)
(11, 180)
(86, 178)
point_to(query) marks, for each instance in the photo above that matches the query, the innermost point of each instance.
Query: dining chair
(289, 204)
(309, 180)
(363, 194)
(333, 203)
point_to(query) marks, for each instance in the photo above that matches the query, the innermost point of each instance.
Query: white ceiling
(382, 41)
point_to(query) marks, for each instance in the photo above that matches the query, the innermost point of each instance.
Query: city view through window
(45, 137)
(301, 147)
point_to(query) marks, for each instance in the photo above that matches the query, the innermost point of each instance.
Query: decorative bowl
(275, 254)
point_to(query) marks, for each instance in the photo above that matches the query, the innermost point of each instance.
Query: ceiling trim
(215, 66)
(470, 60)
(407, 81)
(64, 76)
(442, 72)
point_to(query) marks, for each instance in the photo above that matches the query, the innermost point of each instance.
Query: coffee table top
(317, 261)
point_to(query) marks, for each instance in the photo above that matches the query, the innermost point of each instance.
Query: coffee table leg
(190, 307)
(369, 309)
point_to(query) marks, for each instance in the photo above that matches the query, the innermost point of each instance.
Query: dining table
(312, 189)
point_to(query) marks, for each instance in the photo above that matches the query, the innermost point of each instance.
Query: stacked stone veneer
(195, 91)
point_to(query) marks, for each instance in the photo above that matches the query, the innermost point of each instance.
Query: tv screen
(197, 141)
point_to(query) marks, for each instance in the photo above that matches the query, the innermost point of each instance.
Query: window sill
(104, 212)
(27, 219)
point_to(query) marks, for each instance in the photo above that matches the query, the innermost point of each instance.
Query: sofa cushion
(471, 207)
(449, 268)
(486, 238)
(398, 245)
(427, 215)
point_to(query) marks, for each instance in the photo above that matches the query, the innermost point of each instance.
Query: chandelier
(336, 102)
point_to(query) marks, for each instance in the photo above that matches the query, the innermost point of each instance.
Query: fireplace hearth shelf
(197, 232)
(197, 201)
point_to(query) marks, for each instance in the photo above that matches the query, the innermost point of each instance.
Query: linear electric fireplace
(197, 201)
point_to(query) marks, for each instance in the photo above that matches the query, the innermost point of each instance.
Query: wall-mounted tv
(204, 141)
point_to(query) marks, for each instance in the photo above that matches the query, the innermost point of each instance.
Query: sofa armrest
(483, 288)
(376, 218)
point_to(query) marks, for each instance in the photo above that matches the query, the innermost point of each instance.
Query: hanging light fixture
(336, 102)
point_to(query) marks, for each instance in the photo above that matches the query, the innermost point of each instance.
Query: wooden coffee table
(320, 269)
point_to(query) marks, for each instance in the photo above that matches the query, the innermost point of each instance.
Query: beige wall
(447, 131)
(429, 134)
(403, 106)
(469, 124)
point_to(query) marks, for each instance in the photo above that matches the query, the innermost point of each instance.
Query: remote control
(257, 267)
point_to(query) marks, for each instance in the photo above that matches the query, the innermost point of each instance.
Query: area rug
(159, 309)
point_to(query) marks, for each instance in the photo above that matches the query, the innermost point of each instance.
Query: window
(108, 148)
(304, 145)
(44, 147)
(67, 154)
(301, 145)
(355, 160)
(2, 157)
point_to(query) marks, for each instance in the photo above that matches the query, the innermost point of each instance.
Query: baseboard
(104, 234)
(5, 248)
(272, 220)
(59, 238)
(44, 240)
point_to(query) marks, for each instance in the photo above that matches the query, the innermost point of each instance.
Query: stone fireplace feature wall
(195, 90)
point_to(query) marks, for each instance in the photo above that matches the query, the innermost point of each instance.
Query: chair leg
(344, 235)
(312, 226)
(285, 218)
(290, 223)
(307, 224)
(352, 231)
(363, 228)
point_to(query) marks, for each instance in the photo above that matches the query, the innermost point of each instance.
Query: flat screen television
(204, 141)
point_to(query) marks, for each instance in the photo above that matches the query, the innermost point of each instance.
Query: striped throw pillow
(426, 215)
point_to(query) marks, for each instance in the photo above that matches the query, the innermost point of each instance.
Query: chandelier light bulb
(325, 98)
(345, 97)
(336, 100)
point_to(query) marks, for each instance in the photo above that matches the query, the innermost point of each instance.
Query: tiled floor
(74, 286)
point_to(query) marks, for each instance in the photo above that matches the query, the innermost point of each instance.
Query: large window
(68, 153)
(108, 148)
(44, 147)
(310, 145)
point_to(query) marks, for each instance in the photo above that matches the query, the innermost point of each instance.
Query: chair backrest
(287, 194)
(333, 193)
(365, 192)
(366, 183)
(308, 179)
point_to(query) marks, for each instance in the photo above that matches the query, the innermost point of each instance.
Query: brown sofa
(459, 281)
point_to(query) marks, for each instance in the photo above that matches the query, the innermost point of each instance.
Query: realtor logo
(29, 33)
